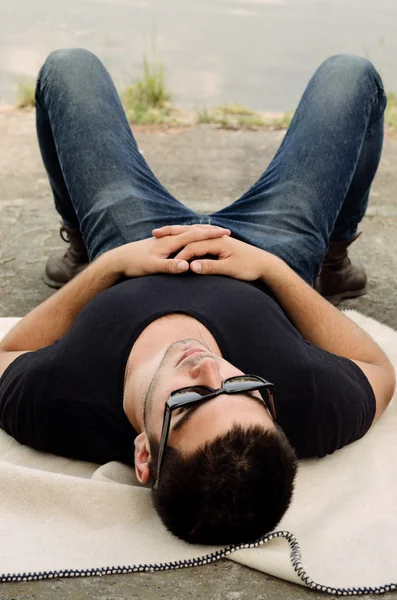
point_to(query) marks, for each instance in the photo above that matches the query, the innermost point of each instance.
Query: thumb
(172, 266)
(207, 267)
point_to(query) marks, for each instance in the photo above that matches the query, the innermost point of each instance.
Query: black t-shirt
(67, 398)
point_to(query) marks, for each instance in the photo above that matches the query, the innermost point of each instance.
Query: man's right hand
(152, 255)
(52, 319)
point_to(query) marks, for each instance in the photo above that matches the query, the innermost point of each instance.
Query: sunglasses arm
(163, 441)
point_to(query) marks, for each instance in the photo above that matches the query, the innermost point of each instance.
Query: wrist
(110, 263)
(270, 266)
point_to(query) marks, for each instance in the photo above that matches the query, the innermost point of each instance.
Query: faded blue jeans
(315, 189)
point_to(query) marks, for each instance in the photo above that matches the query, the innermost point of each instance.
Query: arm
(316, 319)
(326, 327)
(52, 319)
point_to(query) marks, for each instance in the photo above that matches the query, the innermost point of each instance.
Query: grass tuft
(234, 110)
(25, 93)
(147, 100)
(204, 116)
(251, 121)
(281, 122)
(236, 116)
(391, 111)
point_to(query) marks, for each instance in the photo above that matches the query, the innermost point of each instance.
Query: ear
(142, 458)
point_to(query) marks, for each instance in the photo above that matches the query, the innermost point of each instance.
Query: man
(198, 339)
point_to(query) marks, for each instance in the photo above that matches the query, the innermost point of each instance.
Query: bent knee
(69, 69)
(65, 60)
(349, 67)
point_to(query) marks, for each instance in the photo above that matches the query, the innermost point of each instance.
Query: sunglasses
(193, 395)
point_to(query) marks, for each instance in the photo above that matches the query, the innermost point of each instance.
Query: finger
(170, 265)
(178, 229)
(200, 248)
(197, 235)
(169, 230)
(208, 267)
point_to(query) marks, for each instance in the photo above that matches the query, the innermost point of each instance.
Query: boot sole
(337, 298)
(52, 283)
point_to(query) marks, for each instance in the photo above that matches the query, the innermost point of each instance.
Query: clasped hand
(172, 247)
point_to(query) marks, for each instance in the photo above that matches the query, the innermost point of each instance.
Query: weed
(25, 93)
(279, 122)
(204, 116)
(236, 110)
(391, 111)
(249, 121)
(231, 116)
(147, 100)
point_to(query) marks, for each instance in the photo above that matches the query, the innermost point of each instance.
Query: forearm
(316, 319)
(54, 317)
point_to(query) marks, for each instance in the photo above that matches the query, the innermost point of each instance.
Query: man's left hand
(234, 258)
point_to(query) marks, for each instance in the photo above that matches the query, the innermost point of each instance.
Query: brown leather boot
(62, 266)
(341, 277)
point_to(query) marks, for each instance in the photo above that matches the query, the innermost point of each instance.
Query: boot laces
(63, 232)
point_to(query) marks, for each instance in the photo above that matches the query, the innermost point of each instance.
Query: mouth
(190, 352)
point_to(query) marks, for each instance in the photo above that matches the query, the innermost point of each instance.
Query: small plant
(280, 122)
(234, 110)
(251, 121)
(204, 116)
(231, 116)
(26, 93)
(391, 110)
(147, 100)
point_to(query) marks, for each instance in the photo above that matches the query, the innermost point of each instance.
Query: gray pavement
(206, 168)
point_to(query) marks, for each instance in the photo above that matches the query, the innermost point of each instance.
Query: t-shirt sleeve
(343, 404)
(18, 392)
(40, 406)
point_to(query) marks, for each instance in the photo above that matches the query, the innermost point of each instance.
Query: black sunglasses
(188, 396)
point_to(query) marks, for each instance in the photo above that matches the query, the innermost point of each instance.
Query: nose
(207, 372)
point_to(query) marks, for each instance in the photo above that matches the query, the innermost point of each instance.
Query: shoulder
(342, 404)
(7, 358)
(21, 374)
(382, 379)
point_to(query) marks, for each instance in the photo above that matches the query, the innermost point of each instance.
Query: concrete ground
(205, 168)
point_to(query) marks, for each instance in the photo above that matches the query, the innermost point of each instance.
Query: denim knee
(65, 66)
(67, 58)
(350, 70)
(352, 77)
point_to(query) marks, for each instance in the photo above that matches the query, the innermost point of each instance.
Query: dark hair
(233, 489)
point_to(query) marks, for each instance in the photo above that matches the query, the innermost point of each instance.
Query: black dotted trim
(295, 556)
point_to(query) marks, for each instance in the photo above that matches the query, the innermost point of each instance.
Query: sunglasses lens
(242, 383)
(190, 394)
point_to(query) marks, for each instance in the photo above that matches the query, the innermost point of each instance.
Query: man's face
(190, 363)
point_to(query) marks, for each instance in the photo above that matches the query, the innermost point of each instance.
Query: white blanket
(60, 517)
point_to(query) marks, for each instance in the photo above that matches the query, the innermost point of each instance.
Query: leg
(323, 168)
(101, 182)
(356, 201)
(340, 276)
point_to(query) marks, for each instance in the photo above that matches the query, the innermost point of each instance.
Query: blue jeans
(315, 189)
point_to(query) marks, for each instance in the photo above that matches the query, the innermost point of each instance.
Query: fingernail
(183, 265)
(196, 267)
